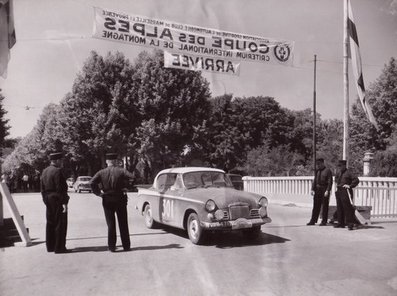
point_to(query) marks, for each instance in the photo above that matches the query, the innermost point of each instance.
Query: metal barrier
(379, 193)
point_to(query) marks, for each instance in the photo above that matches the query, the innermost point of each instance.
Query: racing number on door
(168, 209)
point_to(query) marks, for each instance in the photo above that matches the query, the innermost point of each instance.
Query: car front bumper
(240, 223)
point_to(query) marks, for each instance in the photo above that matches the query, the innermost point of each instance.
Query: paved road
(289, 258)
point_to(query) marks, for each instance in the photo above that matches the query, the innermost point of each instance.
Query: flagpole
(345, 84)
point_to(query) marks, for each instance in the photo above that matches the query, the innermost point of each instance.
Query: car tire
(147, 213)
(253, 232)
(194, 230)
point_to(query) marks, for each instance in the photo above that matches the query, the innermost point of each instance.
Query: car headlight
(219, 215)
(210, 205)
(263, 202)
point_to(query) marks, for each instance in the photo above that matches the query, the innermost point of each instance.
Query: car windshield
(206, 179)
(85, 179)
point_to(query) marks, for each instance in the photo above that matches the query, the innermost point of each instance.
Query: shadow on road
(361, 227)
(229, 239)
(90, 249)
(237, 239)
(151, 248)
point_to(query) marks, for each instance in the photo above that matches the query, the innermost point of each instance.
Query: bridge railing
(377, 192)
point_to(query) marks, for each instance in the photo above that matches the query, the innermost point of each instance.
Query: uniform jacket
(53, 183)
(323, 179)
(113, 180)
(346, 177)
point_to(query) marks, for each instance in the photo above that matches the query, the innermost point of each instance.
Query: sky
(54, 39)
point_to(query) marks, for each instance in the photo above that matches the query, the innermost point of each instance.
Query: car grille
(254, 213)
(240, 211)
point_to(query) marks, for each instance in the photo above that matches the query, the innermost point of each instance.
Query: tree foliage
(173, 105)
(158, 118)
(382, 97)
(4, 127)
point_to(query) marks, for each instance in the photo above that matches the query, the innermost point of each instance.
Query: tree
(31, 153)
(382, 97)
(173, 104)
(384, 163)
(100, 114)
(276, 161)
(4, 127)
(239, 125)
(301, 134)
(330, 140)
(221, 140)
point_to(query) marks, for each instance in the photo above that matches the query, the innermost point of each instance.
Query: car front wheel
(147, 212)
(194, 229)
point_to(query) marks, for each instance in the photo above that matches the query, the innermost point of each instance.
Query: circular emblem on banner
(282, 52)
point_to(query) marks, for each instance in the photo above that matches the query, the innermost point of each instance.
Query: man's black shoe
(112, 250)
(310, 223)
(350, 227)
(339, 226)
(127, 249)
(323, 224)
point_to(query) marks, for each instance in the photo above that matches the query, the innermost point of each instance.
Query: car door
(166, 202)
(173, 203)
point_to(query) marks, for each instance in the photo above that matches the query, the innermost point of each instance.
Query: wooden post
(26, 241)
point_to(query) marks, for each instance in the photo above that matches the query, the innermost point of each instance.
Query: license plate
(241, 224)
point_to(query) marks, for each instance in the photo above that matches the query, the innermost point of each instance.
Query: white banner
(200, 63)
(189, 41)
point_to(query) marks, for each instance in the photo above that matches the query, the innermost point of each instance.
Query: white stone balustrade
(377, 192)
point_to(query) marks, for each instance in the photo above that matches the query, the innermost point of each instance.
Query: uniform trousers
(344, 208)
(320, 201)
(57, 221)
(119, 208)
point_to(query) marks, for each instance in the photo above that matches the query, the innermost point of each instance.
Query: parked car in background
(70, 182)
(200, 199)
(82, 184)
(237, 181)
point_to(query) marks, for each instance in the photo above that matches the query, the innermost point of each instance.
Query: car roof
(182, 170)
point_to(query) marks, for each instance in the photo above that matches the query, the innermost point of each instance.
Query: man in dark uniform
(345, 181)
(321, 189)
(54, 192)
(113, 181)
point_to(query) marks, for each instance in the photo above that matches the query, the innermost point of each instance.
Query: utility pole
(314, 118)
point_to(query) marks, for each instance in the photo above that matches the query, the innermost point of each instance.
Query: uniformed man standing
(54, 192)
(321, 190)
(345, 182)
(113, 181)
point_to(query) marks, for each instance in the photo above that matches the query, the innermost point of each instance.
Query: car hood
(223, 196)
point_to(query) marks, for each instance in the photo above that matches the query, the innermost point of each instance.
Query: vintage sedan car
(200, 199)
(82, 184)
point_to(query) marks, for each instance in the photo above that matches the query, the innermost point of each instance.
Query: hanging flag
(7, 34)
(356, 65)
